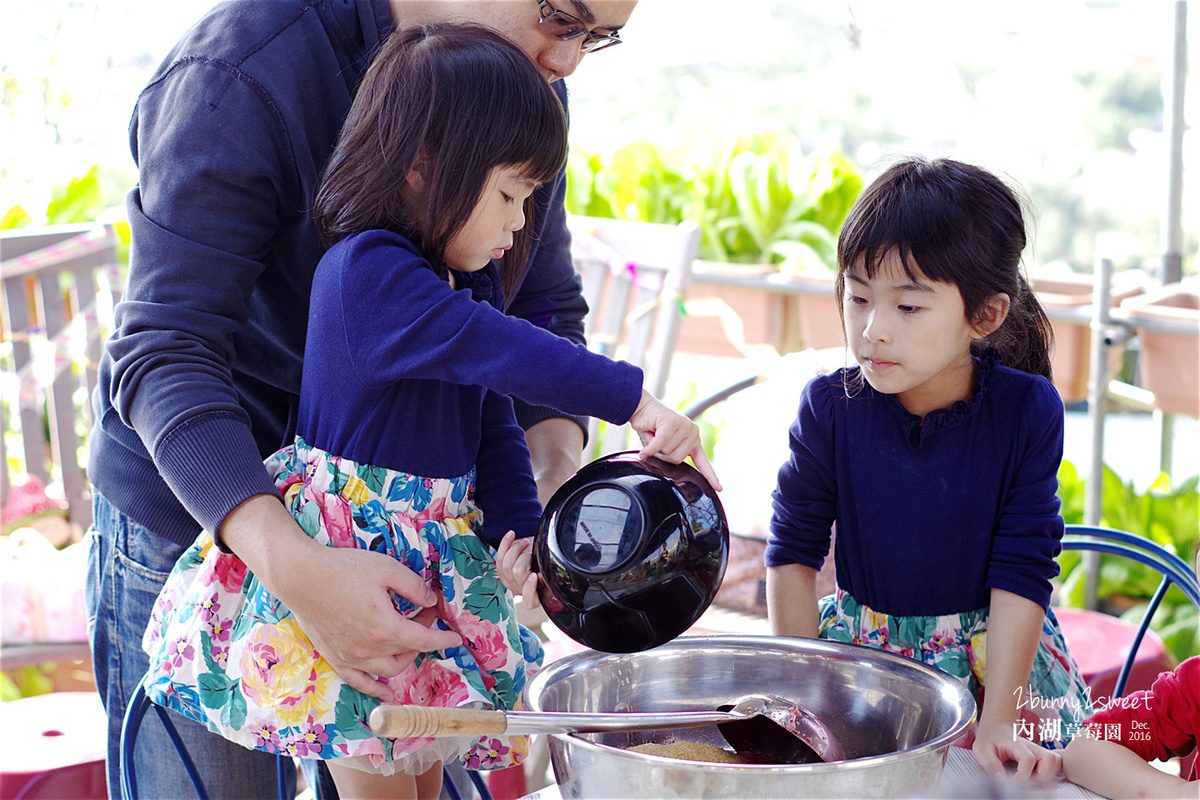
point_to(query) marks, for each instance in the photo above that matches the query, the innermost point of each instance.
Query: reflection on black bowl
(631, 552)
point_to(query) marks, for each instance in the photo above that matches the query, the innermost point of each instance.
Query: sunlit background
(1064, 96)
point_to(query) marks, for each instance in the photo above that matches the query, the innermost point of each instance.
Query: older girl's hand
(514, 560)
(671, 436)
(996, 744)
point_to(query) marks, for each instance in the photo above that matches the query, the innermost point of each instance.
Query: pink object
(27, 501)
(55, 745)
(42, 590)
(508, 783)
(1100, 643)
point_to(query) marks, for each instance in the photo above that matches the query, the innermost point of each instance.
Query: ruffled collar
(917, 429)
(483, 284)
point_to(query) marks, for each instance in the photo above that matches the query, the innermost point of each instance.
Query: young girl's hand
(514, 559)
(671, 436)
(996, 744)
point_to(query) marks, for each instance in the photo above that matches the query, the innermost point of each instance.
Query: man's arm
(792, 600)
(556, 449)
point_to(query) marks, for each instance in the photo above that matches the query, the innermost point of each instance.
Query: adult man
(200, 380)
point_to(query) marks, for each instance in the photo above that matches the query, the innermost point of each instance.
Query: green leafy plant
(635, 182)
(1169, 516)
(27, 681)
(79, 200)
(757, 199)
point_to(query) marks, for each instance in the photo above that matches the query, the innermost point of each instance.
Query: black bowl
(631, 552)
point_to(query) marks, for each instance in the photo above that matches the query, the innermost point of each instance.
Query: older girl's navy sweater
(932, 513)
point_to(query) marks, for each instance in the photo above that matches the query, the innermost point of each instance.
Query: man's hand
(340, 596)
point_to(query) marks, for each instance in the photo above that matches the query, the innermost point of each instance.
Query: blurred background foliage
(757, 197)
(1066, 98)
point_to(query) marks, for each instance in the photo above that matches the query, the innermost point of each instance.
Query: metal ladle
(767, 730)
(773, 731)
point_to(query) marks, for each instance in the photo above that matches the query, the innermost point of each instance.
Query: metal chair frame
(1175, 572)
(635, 276)
(135, 713)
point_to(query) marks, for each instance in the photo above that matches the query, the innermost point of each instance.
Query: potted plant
(769, 215)
(1170, 362)
(1070, 359)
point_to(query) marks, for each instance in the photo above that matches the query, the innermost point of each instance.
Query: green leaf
(213, 684)
(9, 690)
(15, 217)
(470, 556)
(206, 650)
(482, 598)
(352, 710)
(1182, 634)
(373, 477)
(234, 713)
(79, 201)
(504, 684)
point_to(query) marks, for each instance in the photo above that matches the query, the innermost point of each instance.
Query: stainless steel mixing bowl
(895, 718)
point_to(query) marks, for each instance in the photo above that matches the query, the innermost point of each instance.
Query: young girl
(936, 457)
(406, 438)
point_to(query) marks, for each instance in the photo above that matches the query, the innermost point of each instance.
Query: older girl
(936, 456)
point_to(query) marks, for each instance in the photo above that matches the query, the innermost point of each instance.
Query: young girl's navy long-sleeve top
(404, 372)
(931, 514)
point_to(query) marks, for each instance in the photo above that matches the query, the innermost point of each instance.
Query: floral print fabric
(226, 653)
(1053, 706)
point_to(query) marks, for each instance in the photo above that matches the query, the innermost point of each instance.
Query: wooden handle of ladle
(419, 722)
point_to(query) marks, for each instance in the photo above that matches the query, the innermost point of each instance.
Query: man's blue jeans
(127, 568)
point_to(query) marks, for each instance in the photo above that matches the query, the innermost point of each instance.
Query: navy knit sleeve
(805, 496)
(436, 333)
(1029, 529)
(191, 287)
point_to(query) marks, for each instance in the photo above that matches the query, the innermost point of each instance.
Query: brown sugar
(690, 751)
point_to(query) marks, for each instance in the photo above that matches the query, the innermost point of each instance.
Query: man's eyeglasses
(562, 25)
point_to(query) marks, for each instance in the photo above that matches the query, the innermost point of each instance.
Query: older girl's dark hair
(960, 224)
(455, 101)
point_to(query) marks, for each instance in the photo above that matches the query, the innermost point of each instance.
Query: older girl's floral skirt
(1053, 705)
(226, 653)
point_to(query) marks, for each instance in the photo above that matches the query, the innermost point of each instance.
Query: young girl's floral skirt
(1053, 705)
(226, 653)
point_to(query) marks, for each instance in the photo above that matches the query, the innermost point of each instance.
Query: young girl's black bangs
(539, 143)
(912, 223)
